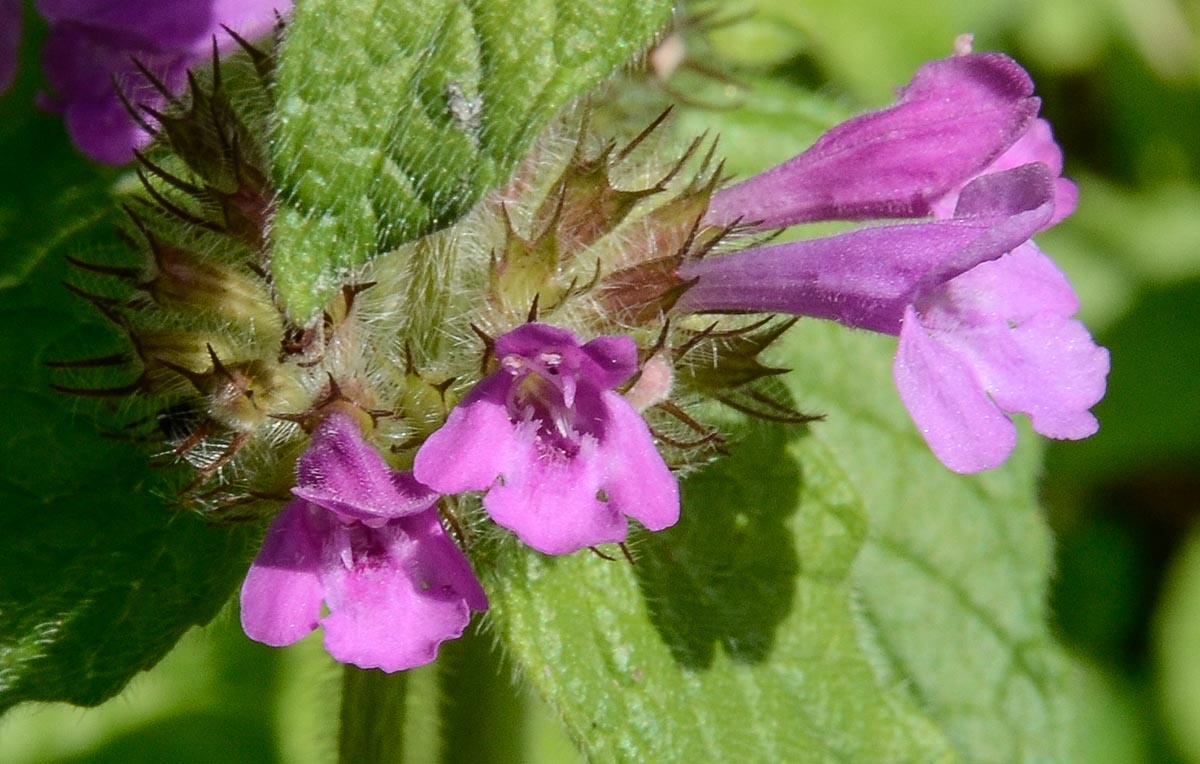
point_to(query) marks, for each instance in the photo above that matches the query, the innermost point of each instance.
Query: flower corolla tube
(984, 318)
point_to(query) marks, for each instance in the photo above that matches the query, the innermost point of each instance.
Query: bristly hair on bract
(588, 235)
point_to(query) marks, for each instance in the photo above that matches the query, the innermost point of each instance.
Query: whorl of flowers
(539, 363)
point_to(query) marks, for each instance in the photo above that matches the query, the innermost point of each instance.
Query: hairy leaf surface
(394, 118)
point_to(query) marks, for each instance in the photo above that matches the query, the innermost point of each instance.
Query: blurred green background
(1120, 81)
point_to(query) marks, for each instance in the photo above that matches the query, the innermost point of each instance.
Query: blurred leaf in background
(212, 699)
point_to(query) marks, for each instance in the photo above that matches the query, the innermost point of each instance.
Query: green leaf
(98, 578)
(830, 594)
(1113, 722)
(394, 118)
(214, 685)
(952, 578)
(47, 188)
(733, 638)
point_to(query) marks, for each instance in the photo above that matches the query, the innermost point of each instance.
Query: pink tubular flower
(563, 458)
(367, 541)
(91, 49)
(954, 119)
(984, 318)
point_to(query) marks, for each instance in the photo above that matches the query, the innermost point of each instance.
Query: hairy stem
(372, 717)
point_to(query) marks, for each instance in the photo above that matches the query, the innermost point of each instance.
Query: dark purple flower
(365, 540)
(93, 43)
(10, 41)
(984, 318)
(563, 458)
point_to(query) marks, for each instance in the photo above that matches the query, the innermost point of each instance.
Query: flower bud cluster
(587, 236)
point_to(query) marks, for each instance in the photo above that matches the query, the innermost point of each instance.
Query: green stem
(372, 718)
(483, 715)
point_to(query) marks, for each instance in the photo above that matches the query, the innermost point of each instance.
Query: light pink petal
(1017, 286)
(551, 501)
(636, 479)
(281, 596)
(439, 567)
(1066, 198)
(473, 446)
(343, 473)
(1036, 145)
(1010, 319)
(395, 593)
(956, 117)
(251, 19)
(946, 401)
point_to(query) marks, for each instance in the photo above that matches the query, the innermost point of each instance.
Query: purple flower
(999, 338)
(955, 118)
(366, 540)
(10, 41)
(92, 45)
(984, 318)
(563, 458)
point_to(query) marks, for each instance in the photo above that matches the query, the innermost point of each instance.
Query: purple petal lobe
(637, 481)
(530, 339)
(962, 426)
(473, 447)
(1036, 145)
(157, 24)
(563, 458)
(82, 65)
(956, 117)
(395, 593)
(614, 360)
(281, 596)
(343, 473)
(92, 43)
(1028, 187)
(1011, 321)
